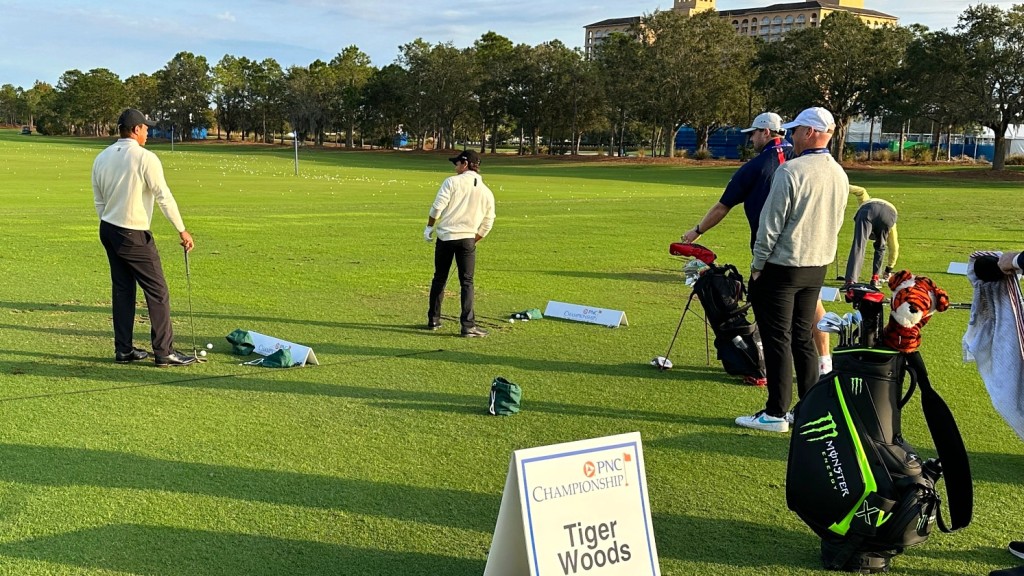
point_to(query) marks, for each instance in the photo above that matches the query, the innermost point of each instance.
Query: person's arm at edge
(153, 172)
(488, 221)
(715, 215)
(892, 250)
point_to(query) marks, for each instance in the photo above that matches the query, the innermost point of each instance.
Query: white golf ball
(209, 345)
(511, 320)
(202, 352)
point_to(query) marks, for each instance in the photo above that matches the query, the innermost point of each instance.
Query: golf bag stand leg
(680, 325)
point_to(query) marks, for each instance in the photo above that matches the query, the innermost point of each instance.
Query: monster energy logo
(857, 385)
(820, 429)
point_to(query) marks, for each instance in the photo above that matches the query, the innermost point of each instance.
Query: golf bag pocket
(829, 477)
(739, 348)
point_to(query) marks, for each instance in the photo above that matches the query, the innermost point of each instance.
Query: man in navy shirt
(752, 182)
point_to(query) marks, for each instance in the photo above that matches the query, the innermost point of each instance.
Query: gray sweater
(803, 214)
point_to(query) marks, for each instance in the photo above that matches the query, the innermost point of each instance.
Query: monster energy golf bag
(853, 478)
(721, 292)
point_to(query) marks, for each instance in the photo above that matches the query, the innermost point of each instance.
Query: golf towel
(995, 341)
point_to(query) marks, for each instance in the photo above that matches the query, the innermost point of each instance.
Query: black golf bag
(738, 343)
(853, 478)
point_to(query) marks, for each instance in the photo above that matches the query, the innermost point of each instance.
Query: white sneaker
(789, 417)
(762, 421)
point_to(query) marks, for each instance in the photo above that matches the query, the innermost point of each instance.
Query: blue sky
(41, 39)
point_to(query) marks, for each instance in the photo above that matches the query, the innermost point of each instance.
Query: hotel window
(777, 25)
(787, 24)
(744, 26)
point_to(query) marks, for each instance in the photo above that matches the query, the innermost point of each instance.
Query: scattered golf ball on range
(209, 345)
(511, 320)
(202, 352)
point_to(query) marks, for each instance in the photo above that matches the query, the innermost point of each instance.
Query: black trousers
(464, 254)
(134, 261)
(785, 299)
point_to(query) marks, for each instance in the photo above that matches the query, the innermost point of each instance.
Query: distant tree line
(636, 90)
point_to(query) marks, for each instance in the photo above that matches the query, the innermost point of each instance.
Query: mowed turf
(382, 460)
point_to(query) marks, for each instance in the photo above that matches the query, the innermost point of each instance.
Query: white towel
(995, 341)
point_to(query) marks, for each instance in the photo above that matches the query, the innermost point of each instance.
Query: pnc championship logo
(820, 430)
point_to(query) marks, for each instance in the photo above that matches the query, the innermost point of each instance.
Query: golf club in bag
(191, 317)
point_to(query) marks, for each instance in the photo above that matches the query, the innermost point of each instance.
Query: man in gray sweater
(796, 241)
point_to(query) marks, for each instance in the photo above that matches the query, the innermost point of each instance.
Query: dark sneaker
(474, 332)
(135, 355)
(433, 325)
(175, 359)
(1017, 549)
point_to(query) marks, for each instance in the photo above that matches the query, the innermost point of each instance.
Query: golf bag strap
(950, 446)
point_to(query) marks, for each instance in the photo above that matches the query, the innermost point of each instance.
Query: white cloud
(226, 17)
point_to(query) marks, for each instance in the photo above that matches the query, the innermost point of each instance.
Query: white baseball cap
(817, 118)
(766, 121)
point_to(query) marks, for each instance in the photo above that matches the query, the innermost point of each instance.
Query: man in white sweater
(796, 241)
(126, 180)
(463, 213)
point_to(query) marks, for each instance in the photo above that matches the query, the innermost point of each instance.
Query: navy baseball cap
(466, 156)
(131, 118)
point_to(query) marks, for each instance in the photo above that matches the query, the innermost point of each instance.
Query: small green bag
(281, 358)
(505, 397)
(241, 342)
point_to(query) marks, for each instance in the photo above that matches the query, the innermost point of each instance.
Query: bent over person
(875, 220)
(463, 213)
(796, 241)
(126, 180)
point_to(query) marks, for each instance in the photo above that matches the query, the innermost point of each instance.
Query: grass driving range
(382, 460)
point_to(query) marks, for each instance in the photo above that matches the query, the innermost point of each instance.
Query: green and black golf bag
(854, 479)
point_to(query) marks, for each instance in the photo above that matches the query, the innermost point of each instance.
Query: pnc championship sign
(576, 508)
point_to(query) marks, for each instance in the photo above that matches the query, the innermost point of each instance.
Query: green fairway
(382, 460)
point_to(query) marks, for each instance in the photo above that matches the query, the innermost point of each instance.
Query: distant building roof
(785, 7)
(792, 6)
(616, 22)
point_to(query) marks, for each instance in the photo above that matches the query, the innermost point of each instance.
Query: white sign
(579, 508)
(957, 268)
(267, 345)
(829, 294)
(605, 317)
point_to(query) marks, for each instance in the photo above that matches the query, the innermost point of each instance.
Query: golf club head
(661, 363)
(831, 323)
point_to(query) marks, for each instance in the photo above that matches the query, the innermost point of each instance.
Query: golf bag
(721, 292)
(851, 476)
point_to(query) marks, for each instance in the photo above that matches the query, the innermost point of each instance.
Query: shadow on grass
(166, 551)
(655, 277)
(739, 543)
(62, 466)
(737, 442)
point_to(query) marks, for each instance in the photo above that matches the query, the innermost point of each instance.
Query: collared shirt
(126, 180)
(753, 181)
(463, 208)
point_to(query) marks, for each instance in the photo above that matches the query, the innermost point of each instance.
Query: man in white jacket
(462, 214)
(127, 180)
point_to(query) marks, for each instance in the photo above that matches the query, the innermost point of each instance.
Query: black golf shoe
(175, 359)
(433, 325)
(474, 332)
(135, 355)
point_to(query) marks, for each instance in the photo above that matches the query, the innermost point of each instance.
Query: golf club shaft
(191, 318)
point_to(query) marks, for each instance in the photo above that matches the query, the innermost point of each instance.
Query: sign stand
(589, 314)
(576, 508)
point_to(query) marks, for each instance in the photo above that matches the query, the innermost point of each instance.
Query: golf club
(855, 336)
(847, 330)
(191, 318)
(832, 323)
